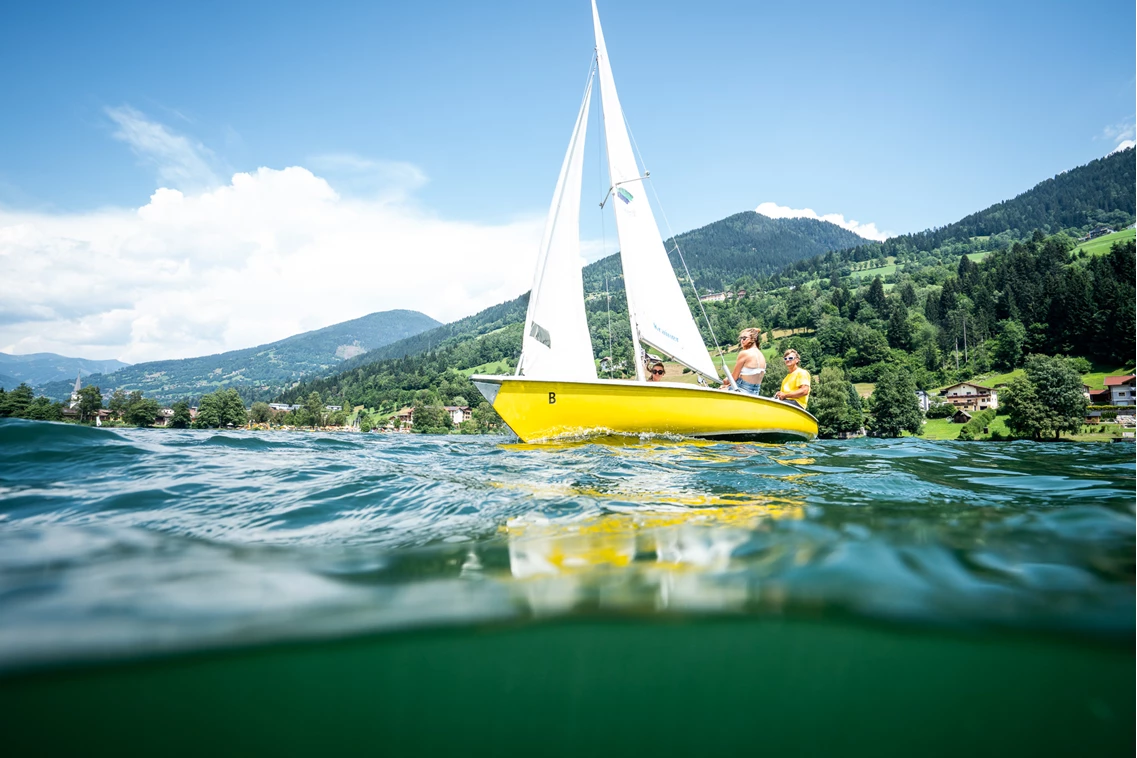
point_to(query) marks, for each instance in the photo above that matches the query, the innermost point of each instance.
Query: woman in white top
(751, 364)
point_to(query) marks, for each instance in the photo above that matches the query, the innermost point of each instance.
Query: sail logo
(624, 195)
(666, 334)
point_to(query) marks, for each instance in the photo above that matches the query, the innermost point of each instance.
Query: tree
(90, 401)
(485, 419)
(775, 373)
(1058, 387)
(315, 408)
(260, 413)
(16, 402)
(118, 403)
(899, 331)
(875, 296)
(219, 409)
(1009, 344)
(829, 402)
(181, 418)
(233, 408)
(894, 405)
(142, 412)
(42, 409)
(1026, 416)
(431, 419)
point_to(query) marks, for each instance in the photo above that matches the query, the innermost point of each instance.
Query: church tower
(75, 392)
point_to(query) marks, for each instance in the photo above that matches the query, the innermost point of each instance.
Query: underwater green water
(188, 592)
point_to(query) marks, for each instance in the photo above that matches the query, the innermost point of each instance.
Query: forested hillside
(1076, 201)
(261, 372)
(743, 244)
(939, 316)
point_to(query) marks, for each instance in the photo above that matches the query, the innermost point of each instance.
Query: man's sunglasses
(789, 358)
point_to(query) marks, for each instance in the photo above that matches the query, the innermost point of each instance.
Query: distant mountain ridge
(746, 243)
(40, 368)
(259, 372)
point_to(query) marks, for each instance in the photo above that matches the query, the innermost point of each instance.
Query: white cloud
(180, 162)
(1121, 134)
(1123, 145)
(868, 231)
(267, 255)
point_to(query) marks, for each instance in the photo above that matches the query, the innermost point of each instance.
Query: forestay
(556, 343)
(659, 313)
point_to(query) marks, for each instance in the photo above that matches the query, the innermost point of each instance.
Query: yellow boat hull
(538, 409)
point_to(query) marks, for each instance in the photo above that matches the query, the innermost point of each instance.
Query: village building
(924, 400)
(1121, 390)
(961, 417)
(405, 417)
(458, 414)
(970, 396)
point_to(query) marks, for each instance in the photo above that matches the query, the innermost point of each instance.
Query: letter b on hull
(552, 398)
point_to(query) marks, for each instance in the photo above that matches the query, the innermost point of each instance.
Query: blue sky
(903, 115)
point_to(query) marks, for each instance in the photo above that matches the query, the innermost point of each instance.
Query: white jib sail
(556, 344)
(656, 304)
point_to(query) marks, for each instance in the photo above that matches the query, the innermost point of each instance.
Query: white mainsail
(659, 313)
(556, 343)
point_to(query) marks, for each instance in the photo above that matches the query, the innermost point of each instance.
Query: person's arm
(801, 391)
(736, 373)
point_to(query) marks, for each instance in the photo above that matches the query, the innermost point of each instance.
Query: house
(961, 417)
(458, 414)
(714, 297)
(925, 401)
(1121, 390)
(970, 396)
(405, 417)
(333, 407)
(1099, 397)
(1093, 417)
(283, 407)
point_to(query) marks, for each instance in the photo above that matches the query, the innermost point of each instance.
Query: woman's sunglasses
(657, 372)
(789, 358)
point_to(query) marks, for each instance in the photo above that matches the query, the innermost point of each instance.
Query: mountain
(40, 368)
(742, 244)
(745, 244)
(1075, 201)
(258, 372)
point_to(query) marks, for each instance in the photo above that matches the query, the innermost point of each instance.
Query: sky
(180, 181)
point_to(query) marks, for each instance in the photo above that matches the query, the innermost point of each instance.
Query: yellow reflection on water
(648, 556)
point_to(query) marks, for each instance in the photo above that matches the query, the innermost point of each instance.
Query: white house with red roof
(1121, 389)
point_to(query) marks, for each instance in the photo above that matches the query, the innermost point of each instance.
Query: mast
(657, 310)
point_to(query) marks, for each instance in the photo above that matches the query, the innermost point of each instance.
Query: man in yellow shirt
(796, 384)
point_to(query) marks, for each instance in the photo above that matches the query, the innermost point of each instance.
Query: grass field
(940, 429)
(976, 257)
(1101, 245)
(496, 367)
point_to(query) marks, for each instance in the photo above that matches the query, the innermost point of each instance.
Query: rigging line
(675, 241)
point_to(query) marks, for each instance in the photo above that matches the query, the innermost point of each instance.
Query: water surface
(835, 566)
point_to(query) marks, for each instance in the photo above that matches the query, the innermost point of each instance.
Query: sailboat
(555, 392)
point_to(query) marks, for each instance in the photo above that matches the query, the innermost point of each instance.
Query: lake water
(301, 593)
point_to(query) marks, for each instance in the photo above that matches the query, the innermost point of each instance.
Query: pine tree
(899, 332)
(875, 296)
